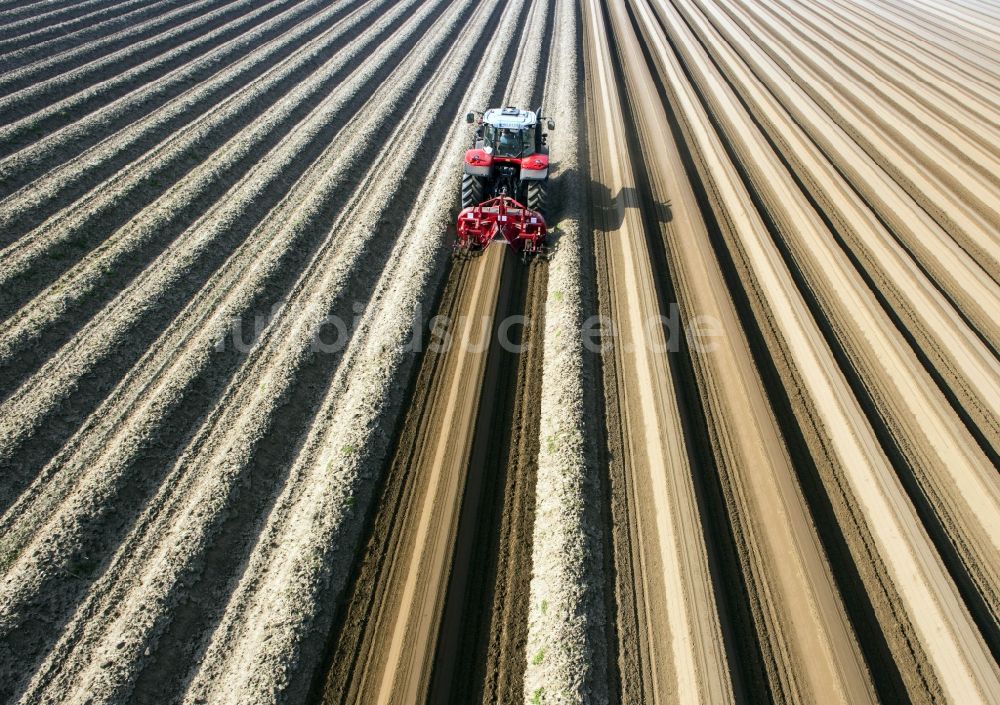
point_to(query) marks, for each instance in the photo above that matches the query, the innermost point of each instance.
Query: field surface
(265, 439)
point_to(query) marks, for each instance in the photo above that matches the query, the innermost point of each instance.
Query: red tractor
(505, 179)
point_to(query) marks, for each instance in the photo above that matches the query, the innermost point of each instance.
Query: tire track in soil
(481, 646)
(480, 653)
(341, 680)
(407, 481)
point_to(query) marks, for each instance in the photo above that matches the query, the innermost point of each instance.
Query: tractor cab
(509, 133)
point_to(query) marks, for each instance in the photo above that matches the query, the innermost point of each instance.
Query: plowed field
(734, 438)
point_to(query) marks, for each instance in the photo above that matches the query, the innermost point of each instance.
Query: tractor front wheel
(472, 190)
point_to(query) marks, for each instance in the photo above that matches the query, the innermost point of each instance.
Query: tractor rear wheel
(472, 190)
(536, 197)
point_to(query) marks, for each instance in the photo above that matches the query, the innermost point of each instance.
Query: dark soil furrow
(77, 122)
(27, 18)
(120, 354)
(277, 448)
(168, 437)
(52, 39)
(152, 158)
(47, 81)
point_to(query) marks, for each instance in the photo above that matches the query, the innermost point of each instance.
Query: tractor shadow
(608, 210)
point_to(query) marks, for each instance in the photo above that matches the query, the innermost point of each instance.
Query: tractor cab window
(509, 142)
(528, 141)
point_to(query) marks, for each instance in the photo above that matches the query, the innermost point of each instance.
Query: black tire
(536, 197)
(472, 190)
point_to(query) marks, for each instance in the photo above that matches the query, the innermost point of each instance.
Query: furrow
(967, 35)
(483, 640)
(983, 28)
(54, 38)
(56, 133)
(147, 156)
(958, 275)
(411, 644)
(969, 366)
(983, 9)
(935, 447)
(950, 204)
(948, 101)
(923, 52)
(567, 615)
(13, 11)
(271, 105)
(930, 620)
(951, 43)
(22, 19)
(478, 654)
(808, 642)
(348, 672)
(901, 115)
(262, 440)
(674, 560)
(162, 510)
(140, 413)
(33, 86)
(110, 342)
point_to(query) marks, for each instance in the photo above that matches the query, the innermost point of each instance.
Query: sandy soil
(440, 487)
(210, 493)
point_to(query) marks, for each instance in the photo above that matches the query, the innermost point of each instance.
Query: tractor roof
(511, 118)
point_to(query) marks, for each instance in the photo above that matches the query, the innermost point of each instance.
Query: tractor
(504, 181)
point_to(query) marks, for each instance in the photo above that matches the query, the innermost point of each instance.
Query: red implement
(501, 218)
